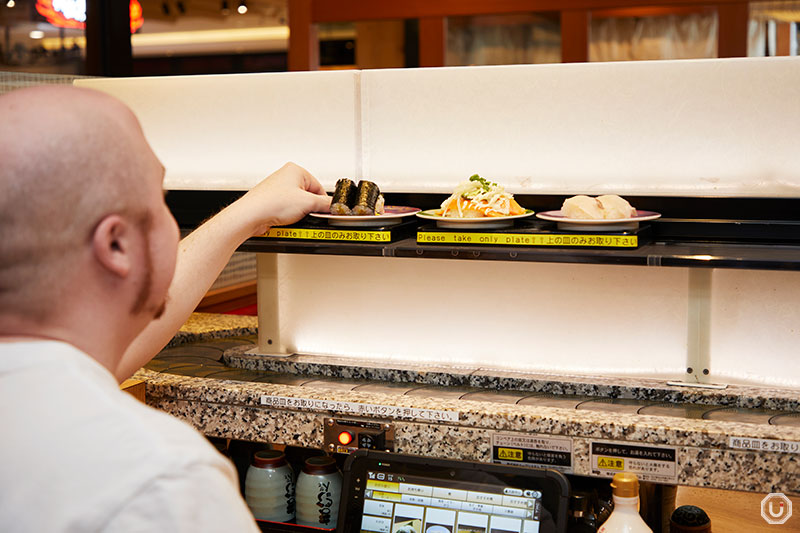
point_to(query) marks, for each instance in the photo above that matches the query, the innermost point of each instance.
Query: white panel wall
(563, 318)
(536, 316)
(693, 128)
(755, 335)
(709, 127)
(229, 132)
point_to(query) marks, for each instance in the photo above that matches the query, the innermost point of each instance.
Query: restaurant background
(184, 38)
(175, 37)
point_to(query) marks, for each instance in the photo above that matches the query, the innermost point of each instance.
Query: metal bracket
(698, 338)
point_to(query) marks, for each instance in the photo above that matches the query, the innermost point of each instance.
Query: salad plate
(471, 223)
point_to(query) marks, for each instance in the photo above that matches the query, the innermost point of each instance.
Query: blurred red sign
(72, 13)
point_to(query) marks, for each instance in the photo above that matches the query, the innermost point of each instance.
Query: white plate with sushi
(471, 223)
(392, 214)
(601, 224)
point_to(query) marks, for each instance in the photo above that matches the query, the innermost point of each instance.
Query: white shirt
(77, 454)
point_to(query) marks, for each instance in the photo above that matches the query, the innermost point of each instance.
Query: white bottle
(269, 487)
(625, 518)
(319, 488)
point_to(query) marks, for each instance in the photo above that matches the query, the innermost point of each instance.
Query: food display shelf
(658, 253)
(695, 232)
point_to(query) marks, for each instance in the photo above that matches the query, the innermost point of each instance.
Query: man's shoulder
(83, 403)
(58, 380)
(77, 439)
(161, 433)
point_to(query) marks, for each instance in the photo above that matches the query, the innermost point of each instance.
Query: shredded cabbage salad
(489, 195)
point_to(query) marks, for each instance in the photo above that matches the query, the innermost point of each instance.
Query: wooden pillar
(108, 39)
(380, 44)
(7, 44)
(303, 38)
(733, 22)
(575, 36)
(783, 38)
(432, 41)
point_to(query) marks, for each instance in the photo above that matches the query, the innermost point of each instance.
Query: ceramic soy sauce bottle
(319, 488)
(269, 487)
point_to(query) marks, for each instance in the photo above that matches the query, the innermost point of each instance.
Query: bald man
(93, 283)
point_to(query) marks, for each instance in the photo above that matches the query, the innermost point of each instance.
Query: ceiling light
(36, 34)
(242, 9)
(11, 3)
(225, 9)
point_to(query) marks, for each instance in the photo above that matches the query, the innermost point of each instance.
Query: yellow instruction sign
(328, 234)
(611, 463)
(528, 239)
(650, 462)
(509, 454)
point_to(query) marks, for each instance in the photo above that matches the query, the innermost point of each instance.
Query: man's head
(82, 216)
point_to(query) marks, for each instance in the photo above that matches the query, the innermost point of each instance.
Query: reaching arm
(283, 198)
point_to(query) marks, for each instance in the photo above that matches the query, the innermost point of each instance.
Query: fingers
(304, 178)
(321, 203)
(312, 185)
(293, 176)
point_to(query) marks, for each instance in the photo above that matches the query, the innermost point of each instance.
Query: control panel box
(348, 435)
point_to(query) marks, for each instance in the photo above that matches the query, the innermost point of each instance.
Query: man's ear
(112, 245)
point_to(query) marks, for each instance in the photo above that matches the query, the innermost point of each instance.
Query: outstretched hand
(283, 198)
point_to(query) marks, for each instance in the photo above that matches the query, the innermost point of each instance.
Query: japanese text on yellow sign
(520, 239)
(509, 454)
(328, 235)
(610, 463)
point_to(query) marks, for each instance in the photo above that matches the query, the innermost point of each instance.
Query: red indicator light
(345, 438)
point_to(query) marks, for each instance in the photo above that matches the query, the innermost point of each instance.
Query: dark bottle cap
(320, 465)
(578, 505)
(269, 459)
(689, 519)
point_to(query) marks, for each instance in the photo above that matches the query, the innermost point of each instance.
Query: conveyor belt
(205, 359)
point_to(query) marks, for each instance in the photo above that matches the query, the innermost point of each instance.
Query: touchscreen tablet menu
(395, 503)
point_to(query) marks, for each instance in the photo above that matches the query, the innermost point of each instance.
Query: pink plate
(393, 214)
(606, 224)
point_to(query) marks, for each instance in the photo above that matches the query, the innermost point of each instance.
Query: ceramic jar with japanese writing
(319, 488)
(269, 488)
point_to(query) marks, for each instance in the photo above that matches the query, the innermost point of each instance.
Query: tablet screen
(406, 494)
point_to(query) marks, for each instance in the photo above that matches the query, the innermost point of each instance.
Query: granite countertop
(213, 383)
(205, 326)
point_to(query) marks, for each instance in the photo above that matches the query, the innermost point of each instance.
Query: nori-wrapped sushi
(344, 197)
(366, 198)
